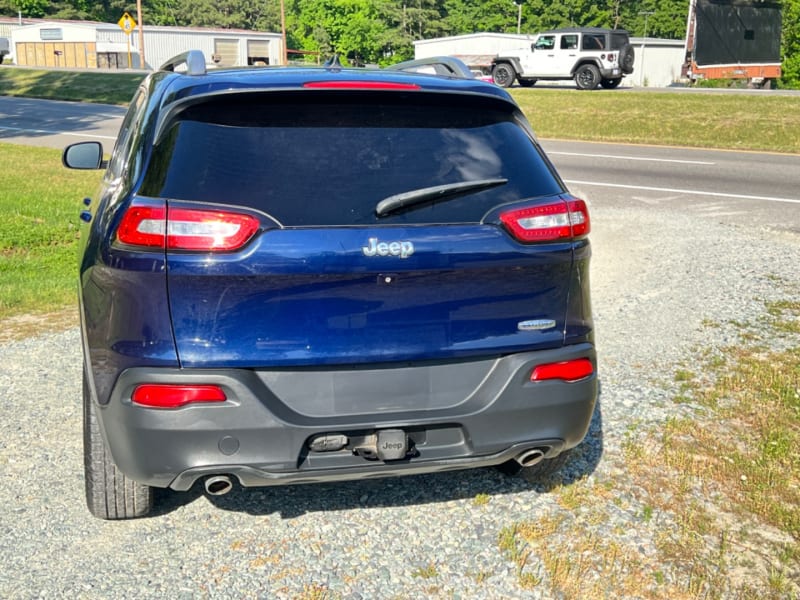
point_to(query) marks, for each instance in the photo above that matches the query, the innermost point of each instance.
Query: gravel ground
(658, 276)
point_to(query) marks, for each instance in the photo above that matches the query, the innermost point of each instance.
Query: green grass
(39, 205)
(725, 121)
(80, 86)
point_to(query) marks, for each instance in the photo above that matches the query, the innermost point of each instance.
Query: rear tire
(109, 494)
(587, 77)
(504, 75)
(610, 84)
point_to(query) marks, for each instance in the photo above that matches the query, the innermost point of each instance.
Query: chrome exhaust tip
(530, 458)
(218, 485)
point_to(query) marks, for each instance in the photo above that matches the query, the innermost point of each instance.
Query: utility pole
(646, 14)
(519, 4)
(142, 62)
(283, 34)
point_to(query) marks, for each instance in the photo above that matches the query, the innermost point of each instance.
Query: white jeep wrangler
(590, 55)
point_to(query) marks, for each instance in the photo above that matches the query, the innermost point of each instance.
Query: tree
(470, 16)
(30, 8)
(790, 44)
(345, 27)
(667, 21)
(226, 14)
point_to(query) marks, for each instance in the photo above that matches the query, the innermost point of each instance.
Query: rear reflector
(562, 220)
(175, 396)
(156, 226)
(571, 370)
(360, 85)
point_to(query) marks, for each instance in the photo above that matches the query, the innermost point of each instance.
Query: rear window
(307, 160)
(618, 40)
(594, 41)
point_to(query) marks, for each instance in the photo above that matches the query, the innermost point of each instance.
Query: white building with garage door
(86, 44)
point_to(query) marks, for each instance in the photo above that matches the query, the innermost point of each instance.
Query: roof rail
(194, 60)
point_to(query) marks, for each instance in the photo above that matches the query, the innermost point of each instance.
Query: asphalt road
(56, 124)
(745, 188)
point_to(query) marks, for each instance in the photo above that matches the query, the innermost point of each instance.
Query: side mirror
(83, 155)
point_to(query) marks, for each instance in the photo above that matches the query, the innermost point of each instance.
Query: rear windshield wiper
(433, 194)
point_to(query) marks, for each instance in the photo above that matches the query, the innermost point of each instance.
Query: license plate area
(354, 448)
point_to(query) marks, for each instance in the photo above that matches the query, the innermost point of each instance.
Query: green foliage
(34, 8)
(229, 14)
(364, 31)
(338, 26)
(668, 18)
(790, 43)
(498, 16)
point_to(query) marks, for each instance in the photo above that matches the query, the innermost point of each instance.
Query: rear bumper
(261, 433)
(611, 73)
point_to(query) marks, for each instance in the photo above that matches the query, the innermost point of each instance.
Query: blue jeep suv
(297, 275)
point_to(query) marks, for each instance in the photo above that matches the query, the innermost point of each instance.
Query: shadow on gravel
(297, 500)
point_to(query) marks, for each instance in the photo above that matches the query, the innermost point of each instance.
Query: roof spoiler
(194, 60)
(449, 66)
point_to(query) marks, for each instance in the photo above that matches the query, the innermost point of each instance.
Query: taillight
(565, 219)
(569, 371)
(143, 226)
(208, 230)
(157, 395)
(360, 85)
(155, 226)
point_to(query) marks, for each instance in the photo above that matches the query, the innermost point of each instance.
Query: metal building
(105, 45)
(657, 62)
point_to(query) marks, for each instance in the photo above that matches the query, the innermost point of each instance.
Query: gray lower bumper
(615, 73)
(261, 434)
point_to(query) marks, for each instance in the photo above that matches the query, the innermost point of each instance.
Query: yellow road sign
(127, 23)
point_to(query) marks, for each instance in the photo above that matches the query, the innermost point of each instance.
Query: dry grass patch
(571, 555)
(741, 457)
(24, 326)
(707, 505)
